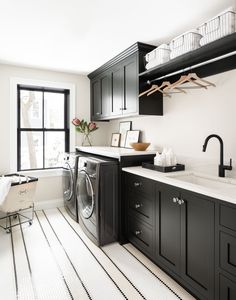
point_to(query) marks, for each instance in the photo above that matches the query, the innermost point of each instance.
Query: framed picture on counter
(124, 127)
(132, 136)
(115, 140)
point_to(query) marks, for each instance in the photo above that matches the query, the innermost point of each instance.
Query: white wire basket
(218, 27)
(157, 56)
(184, 43)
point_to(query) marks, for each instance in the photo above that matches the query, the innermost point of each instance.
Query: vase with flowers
(86, 128)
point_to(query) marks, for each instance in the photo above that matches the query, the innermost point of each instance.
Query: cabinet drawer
(227, 289)
(139, 184)
(140, 234)
(228, 217)
(228, 253)
(142, 206)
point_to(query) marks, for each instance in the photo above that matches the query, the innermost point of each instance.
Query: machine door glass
(68, 182)
(85, 195)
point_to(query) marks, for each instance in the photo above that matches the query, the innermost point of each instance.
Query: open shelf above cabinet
(217, 49)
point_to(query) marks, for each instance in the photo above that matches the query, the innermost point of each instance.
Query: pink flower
(92, 126)
(76, 122)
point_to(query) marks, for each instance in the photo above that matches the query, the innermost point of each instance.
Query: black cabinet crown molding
(138, 46)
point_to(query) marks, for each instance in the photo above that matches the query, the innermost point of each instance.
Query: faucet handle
(230, 165)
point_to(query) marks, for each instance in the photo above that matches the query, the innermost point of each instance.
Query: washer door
(85, 194)
(67, 182)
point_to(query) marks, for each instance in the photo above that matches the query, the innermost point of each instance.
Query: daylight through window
(43, 129)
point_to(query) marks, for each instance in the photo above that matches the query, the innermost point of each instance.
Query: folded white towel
(5, 185)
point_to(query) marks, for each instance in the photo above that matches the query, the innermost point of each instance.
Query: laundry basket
(19, 201)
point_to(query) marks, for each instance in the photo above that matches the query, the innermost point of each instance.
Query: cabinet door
(228, 253)
(227, 289)
(131, 85)
(197, 259)
(106, 95)
(96, 105)
(117, 87)
(168, 227)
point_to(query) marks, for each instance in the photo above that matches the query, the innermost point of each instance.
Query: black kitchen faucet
(222, 167)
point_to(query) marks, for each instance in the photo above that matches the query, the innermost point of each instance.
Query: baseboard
(39, 205)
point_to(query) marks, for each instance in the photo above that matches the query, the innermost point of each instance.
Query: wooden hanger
(158, 88)
(165, 87)
(193, 78)
(152, 88)
(147, 91)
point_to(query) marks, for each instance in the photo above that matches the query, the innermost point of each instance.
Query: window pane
(53, 110)
(31, 150)
(54, 149)
(31, 109)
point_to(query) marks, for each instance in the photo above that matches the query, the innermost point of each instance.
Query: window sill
(43, 173)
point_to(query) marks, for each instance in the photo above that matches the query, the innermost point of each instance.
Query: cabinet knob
(138, 232)
(175, 199)
(137, 205)
(137, 184)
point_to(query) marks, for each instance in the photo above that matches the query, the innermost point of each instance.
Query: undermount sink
(208, 182)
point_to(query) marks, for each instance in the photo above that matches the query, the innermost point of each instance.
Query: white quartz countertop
(225, 194)
(114, 152)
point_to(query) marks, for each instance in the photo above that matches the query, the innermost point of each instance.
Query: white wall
(187, 121)
(49, 187)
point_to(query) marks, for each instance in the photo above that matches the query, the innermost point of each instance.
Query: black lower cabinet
(227, 289)
(197, 236)
(168, 227)
(140, 234)
(228, 253)
(181, 239)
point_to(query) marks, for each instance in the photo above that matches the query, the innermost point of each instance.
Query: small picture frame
(132, 136)
(124, 127)
(115, 140)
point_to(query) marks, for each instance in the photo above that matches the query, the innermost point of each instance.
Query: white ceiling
(80, 35)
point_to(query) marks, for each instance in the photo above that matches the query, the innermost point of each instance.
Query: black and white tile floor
(54, 260)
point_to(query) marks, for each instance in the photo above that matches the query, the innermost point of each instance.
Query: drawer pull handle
(138, 232)
(137, 184)
(137, 205)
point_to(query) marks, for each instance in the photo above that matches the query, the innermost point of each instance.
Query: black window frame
(65, 129)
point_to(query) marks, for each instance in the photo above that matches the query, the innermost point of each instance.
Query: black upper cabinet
(124, 87)
(105, 95)
(117, 90)
(96, 104)
(100, 89)
(130, 67)
(115, 87)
